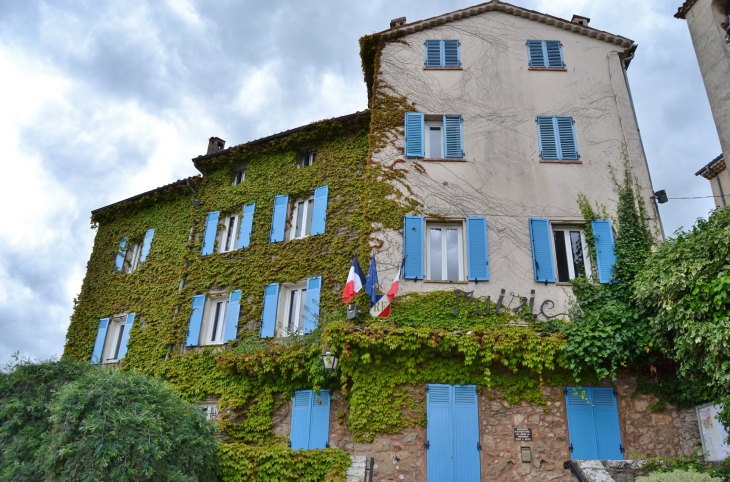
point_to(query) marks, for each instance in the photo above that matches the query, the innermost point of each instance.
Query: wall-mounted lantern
(330, 360)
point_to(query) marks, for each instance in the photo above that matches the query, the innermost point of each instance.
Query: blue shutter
(301, 415)
(414, 144)
(433, 53)
(268, 314)
(196, 320)
(125, 336)
(319, 214)
(121, 254)
(568, 146)
(278, 219)
(542, 250)
(546, 136)
(605, 418)
(452, 55)
(554, 54)
(440, 433)
(319, 429)
(477, 248)
(147, 244)
(234, 310)
(535, 54)
(605, 256)
(211, 231)
(466, 434)
(413, 247)
(99, 342)
(244, 235)
(311, 306)
(453, 137)
(581, 428)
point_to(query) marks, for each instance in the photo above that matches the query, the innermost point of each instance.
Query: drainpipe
(719, 184)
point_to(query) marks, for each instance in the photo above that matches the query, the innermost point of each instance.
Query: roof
(162, 189)
(713, 168)
(499, 6)
(682, 11)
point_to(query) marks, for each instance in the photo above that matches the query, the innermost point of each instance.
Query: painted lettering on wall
(482, 305)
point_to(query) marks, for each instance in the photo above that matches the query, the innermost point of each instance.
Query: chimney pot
(397, 22)
(580, 20)
(215, 144)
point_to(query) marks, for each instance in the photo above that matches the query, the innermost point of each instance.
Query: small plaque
(523, 434)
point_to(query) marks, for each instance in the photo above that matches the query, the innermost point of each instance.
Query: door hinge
(427, 445)
(426, 388)
(614, 393)
(289, 443)
(571, 448)
(621, 448)
(565, 391)
(479, 446)
(327, 444)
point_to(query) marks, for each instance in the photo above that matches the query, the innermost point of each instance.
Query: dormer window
(306, 159)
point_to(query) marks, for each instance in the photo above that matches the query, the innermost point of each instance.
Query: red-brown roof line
(177, 183)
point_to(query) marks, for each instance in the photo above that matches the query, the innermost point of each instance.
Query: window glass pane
(435, 253)
(300, 216)
(120, 333)
(310, 211)
(216, 322)
(302, 302)
(577, 247)
(435, 143)
(452, 254)
(293, 308)
(230, 230)
(561, 257)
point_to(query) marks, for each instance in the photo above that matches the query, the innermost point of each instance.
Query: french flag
(381, 309)
(355, 281)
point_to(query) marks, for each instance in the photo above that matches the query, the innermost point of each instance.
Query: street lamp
(330, 360)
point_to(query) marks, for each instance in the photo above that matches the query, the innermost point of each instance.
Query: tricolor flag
(381, 309)
(355, 280)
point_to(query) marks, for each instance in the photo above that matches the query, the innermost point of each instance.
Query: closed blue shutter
(605, 418)
(125, 336)
(147, 244)
(234, 310)
(311, 307)
(196, 320)
(542, 250)
(433, 53)
(477, 248)
(278, 219)
(319, 429)
(211, 231)
(121, 254)
(414, 144)
(301, 418)
(268, 314)
(581, 428)
(319, 214)
(440, 433)
(453, 137)
(554, 54)
(452, 55)
(547, 139)
(244, 235)
(605, 255)
(568, 146)
(99, 342)
(466, 434)
(413, 247)
(535, 54)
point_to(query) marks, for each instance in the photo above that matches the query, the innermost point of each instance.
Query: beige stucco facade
(502, 175)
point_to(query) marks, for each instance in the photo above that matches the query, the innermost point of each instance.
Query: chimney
(215, 144)
(580, 20)
(397, 22)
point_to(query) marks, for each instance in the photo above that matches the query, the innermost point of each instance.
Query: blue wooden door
(593, 424)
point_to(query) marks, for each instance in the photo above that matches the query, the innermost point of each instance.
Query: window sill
(444, 159)
(558, 161)
(546, 69)
(430, 281)
(443, 68)
(564, 283)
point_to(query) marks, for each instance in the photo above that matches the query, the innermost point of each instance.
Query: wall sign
(482, 305)
(713, 433)
(523, 434)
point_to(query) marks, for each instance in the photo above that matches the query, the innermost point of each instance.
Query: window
(557, 139)
(239, 176)
(112, 336)
(209, 409)
(308, 216)
(302, 218)
(445, 252)
(434, 140)
(571, 259)
(235, 232)
(214, 320)
(438, 137)
(131, 258)
(227, 237)
(545, 54)
(593, 424)
(442, 53)
(306, 159)
(129, 255)
(291, 307)
(295, 298)
(310, 420)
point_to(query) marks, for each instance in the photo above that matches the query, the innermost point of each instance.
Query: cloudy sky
(103, 100)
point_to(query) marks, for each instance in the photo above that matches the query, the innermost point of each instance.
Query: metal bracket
(571, 448)
(327, 444)
(427, 445)
(621, 448)
(479, 446)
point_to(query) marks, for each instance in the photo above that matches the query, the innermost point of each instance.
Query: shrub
(678, 476)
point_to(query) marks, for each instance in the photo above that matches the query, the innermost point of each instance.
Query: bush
(678, 476)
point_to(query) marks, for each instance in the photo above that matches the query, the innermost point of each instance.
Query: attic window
(580, 20)
(397, 22)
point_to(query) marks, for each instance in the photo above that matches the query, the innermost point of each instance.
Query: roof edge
(682, 11)
(712, 168)
(179, 183)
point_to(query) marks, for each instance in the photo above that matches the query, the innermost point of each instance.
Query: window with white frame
(445, 251)
(571, 256)
(113, 342)
(306, 159)
(214, 321)
(293, 301)
(131, 258)
(227, 237)
(434, 140)
(301, 225)
(209, 409)
(239, 176)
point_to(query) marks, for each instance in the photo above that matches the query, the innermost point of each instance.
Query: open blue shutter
(146, 245)
(301, 418)
(568, 146)
(311, 306)
(413, 247)
(234, 310)
(211, 231)
(581, 428)
(278, 219)
(453, 138)
(554, 54)
(319, 214)
(605, 418)
(125, 336)
(466, 434)
(546, 137)
(433, 53)
(440, 433)
(196, 321)
(268, 314)
(535, 54)
(605, 255)
(452, 56)
(319, 429)
(542, 250)
(244, 235)
(477, 248)
(99, 342)
(121, 254)
(414, 143)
